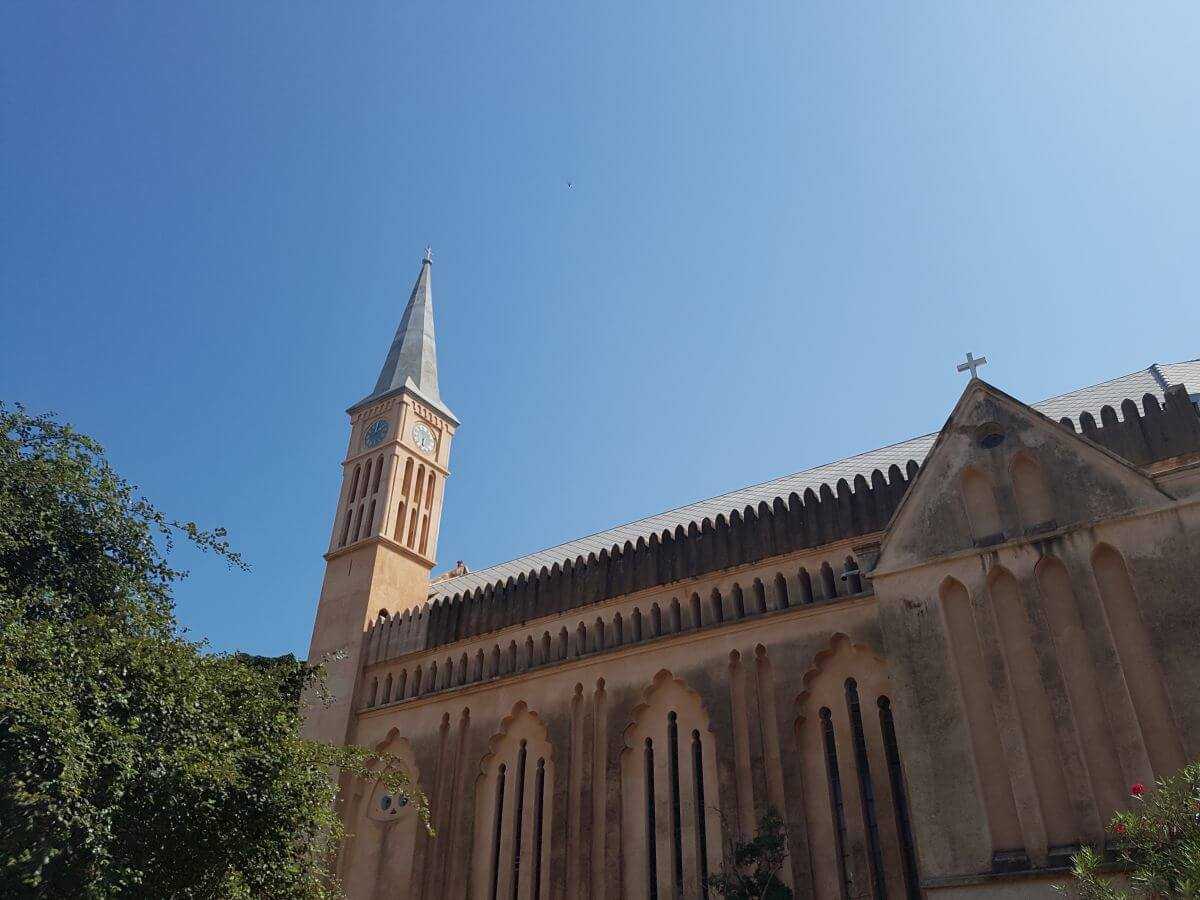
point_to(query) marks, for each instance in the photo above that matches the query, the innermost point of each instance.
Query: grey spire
(412, 359)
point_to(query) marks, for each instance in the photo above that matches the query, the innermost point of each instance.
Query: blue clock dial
(376, 433)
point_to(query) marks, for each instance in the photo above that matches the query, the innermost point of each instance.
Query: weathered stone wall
(972, 706)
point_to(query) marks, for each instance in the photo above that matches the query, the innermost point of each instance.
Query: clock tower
(383, 544)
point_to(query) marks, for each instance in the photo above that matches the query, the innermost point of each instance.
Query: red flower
(1119, 828)
(1138, 789)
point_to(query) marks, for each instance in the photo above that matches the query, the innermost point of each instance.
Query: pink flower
(1138, 789)
(1119, 828)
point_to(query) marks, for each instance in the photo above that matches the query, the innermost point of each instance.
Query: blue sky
(788, 224)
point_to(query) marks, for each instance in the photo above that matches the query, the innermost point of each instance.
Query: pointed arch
(514, 810)
(1143, 674)
(670, 835)
(979, 500)
(848, 744)
(1031, 492)
(991, 766)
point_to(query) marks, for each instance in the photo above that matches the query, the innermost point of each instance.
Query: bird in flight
(570, 184)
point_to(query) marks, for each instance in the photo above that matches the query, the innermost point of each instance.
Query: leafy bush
(1158, 846)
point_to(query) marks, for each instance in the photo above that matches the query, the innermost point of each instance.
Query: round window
(989, 435)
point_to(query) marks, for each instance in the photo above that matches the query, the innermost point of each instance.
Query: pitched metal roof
(1153, 380)
(411, 363)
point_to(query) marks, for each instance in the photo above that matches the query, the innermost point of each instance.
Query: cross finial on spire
(972, 364)
(428, 254)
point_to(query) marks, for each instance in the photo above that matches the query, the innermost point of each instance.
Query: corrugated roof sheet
(1153, 380)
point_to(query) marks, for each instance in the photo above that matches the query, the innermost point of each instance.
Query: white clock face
(424, 438)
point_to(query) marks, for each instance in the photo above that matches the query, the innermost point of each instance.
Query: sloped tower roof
(411, 362)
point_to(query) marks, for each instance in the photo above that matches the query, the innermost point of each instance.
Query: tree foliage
(132, 762)
(751, 870)
(1158, 843)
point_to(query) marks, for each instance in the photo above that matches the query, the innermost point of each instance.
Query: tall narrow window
(835, 795)
(371, 518)
(519, 804)
(412, 526)
(539, 793)
(651, 848)
(398, 531)
(354, 483)
(696, 616)
(676, 817)
(429, 492)
(497, 826)
(366, 480)
(346, 529)
(419, 486)
(424, 535)
(374, 691)
(358, 524)
(387, 689)
(378, 473)
(701, 818)
(865, 788)
(408, 470)
(908, 848)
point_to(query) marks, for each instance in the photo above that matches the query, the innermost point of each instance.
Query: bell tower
(383, 544)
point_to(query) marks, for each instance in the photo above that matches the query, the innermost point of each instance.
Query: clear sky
(787, 225)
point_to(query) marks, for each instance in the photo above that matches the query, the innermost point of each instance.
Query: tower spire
(411, 361)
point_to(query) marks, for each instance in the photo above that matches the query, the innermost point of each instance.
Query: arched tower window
(366, 481)
(378, 473)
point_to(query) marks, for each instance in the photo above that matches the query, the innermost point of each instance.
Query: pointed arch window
(378, 473)
(514, 809)
(669, 830)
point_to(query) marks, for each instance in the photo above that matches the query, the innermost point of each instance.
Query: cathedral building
(942, 662)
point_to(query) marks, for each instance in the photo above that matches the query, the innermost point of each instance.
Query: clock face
(424, 438)
(376, 433)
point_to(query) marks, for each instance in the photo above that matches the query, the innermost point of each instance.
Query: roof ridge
(1151, 370)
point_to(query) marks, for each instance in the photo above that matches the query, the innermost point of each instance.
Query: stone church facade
(942, 662)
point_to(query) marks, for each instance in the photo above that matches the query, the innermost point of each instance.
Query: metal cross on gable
(972, 364)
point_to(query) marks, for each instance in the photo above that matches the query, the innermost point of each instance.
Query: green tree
(132, 762)
(751, 870)
(1158, 846)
